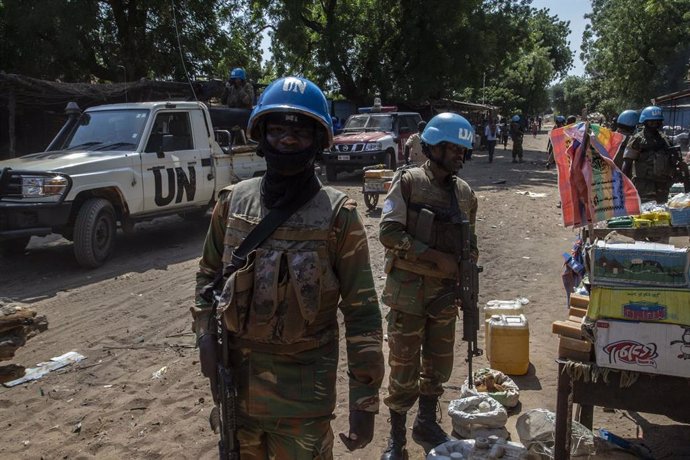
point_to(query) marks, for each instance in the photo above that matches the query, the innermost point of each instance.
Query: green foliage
(84, 40)
(635, 50)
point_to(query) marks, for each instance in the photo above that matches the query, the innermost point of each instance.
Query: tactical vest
(287, 294)
(654, 162)
(427, 194)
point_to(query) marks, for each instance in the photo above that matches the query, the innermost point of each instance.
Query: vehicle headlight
(373, 146)
(44, 186)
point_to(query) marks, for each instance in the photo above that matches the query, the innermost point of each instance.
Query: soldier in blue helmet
(647, 160)
(238, 93)
(516, 134)
(417, 231)
(626, 124)
(281, 308)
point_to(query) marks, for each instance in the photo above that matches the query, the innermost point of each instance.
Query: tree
(113, 40)
(635, 50)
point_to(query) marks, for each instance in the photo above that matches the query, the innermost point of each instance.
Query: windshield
(369, 123)
(108, 130)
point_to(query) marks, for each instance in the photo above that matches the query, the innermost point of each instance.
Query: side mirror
(224, 139)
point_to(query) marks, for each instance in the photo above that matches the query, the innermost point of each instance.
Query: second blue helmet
(448, 127)
(560, 119)
(293, 94)
(651, 113)
(628, 118)
(516, 118)
(237, 73)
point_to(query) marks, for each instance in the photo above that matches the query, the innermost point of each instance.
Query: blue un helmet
(237, 73)
(628, 118)
(293, 94)
(560, 120)
(651, 113)
(448, 127)
(516, 118)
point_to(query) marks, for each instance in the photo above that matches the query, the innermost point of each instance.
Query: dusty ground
(130, 318)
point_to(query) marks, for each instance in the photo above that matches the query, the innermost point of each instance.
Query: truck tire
(94, 232)
(14, 247)
(390, 159)
(331, 173)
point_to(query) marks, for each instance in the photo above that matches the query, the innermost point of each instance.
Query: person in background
(505, 132)
(491, 133)
(419, 273)
(238, 93)
(516, 134)
(413, 147)
(646, 159)
(283, 325)
(626, 123)
(550, 160)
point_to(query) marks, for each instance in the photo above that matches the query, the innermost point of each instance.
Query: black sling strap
(253, 240)
(267, 226)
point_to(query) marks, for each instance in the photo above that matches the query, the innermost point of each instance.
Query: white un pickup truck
(119, 164)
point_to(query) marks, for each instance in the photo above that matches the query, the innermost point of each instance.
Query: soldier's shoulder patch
(387, 206)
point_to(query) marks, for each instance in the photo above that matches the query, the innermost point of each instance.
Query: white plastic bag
(536, 429)
(477, 412)
(505, 391)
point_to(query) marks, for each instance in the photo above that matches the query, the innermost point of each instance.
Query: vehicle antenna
(179, 48)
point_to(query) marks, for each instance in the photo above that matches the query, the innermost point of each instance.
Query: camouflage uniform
(421, 342)
(652, 169)
(417, 156)
(516, 135)
(282, 314)
(238, 97)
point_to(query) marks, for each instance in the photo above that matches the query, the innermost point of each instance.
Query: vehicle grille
(10, 185)
(347, 148)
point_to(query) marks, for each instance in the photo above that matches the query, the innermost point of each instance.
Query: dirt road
(131, 319)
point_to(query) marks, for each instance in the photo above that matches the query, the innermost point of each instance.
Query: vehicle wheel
(331, 173)
(14, 247)
(390, 159)
(371, 200)
(94, 232)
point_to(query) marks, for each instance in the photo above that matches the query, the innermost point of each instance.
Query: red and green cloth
(591, 186)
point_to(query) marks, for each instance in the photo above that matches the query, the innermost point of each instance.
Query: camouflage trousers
(651, 190)
(420, 356)
(517, 149)
(286, 438)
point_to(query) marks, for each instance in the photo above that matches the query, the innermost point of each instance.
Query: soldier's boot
(396, 444)
(426, 430)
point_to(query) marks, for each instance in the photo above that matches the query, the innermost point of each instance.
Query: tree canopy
(502, 52)
(635, 50)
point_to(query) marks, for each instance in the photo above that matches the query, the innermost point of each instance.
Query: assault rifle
(680, 167)
(467, 291)
(224, 415)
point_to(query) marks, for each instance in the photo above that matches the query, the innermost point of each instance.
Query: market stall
(627, 333)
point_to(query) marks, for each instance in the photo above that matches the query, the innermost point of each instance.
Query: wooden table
(653, 394)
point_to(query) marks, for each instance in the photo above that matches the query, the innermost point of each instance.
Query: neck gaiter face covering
(288, 175)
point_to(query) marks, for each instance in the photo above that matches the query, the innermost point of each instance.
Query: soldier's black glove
(208, 357)
(361, 430)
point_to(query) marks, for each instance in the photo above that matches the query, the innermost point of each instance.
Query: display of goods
(639, 264)
(679, 206)
(640, 304)
(643, 347)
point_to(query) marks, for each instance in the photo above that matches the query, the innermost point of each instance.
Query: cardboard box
(643, 347)
(638, 304)
(639, 264)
